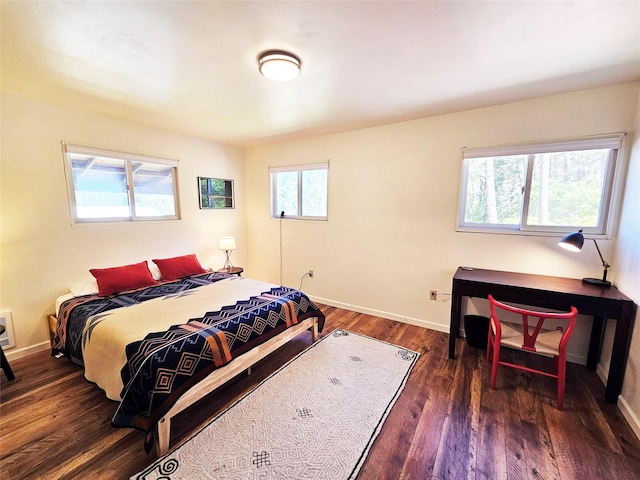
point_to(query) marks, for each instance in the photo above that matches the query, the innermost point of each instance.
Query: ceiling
(191, 66)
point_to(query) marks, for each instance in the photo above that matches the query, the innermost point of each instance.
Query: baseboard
(623, 405)
(602, 374)
(25, 352)
(579, 359)
(418, 322)
(630, 415)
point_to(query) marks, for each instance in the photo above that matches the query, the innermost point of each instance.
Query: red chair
(530, 337)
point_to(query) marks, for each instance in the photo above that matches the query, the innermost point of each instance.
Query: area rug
(314, 418)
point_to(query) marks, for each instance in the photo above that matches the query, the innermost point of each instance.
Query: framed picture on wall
(215, 192)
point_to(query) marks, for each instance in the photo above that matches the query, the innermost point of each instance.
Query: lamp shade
(279, 65)
(573, 242)
(227, 243)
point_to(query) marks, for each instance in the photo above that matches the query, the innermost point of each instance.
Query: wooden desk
(559, 294)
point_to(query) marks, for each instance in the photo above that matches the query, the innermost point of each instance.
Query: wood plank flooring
(447, 424)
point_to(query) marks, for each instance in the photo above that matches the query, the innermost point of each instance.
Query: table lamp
(573, 242)
(227, 244)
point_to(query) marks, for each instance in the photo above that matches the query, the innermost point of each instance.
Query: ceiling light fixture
(279, 65)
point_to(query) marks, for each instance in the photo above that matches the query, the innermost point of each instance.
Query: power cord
(281, 217)
(307, 274)
(302, 278)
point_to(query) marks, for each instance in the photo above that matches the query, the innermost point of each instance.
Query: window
(300, 191)
(542, 187)
(111, 186)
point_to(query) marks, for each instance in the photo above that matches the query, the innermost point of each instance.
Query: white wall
(627, 263)
(393, 193)
(42, 253)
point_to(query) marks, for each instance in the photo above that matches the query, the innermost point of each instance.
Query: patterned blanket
(75, 312)
(163, 365)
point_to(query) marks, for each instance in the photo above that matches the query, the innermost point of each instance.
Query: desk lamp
(228, 244)
(573, 242)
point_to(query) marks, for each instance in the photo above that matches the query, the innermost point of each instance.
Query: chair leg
(562, 371)
(493, 348)
(5, 365)
(494, 364)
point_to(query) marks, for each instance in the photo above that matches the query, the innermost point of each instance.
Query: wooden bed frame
(220, 376)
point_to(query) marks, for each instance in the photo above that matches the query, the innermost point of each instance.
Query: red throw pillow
(119, 279)
(178, 267)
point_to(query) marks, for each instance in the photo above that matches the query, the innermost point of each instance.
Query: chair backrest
(531, 335)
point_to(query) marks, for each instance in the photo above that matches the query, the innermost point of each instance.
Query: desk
(559, 294)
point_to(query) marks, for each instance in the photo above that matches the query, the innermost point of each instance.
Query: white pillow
(155, 271)
(86, 287)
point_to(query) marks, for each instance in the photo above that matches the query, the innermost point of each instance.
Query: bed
(160, 348)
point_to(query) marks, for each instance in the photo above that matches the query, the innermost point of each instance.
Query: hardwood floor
(447, 424)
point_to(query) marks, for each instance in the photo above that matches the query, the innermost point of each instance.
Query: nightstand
(232, 271)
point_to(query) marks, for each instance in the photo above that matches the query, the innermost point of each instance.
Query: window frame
(69, 150)
(609, 198)
(273, 191)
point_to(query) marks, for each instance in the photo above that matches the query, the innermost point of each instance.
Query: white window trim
(589, 143)
(612, 194)
(296, 168)
(128, 158)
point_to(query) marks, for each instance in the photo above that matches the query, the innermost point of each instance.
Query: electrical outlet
(310, 272)
(433, 295)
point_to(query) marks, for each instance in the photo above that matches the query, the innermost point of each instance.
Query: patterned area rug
(315, 418)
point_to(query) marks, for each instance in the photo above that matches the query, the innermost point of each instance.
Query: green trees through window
(567, 188)
(554, 187)
(300, 191)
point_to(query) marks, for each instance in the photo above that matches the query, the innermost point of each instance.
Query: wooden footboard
(222, 375)
(53, 325)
